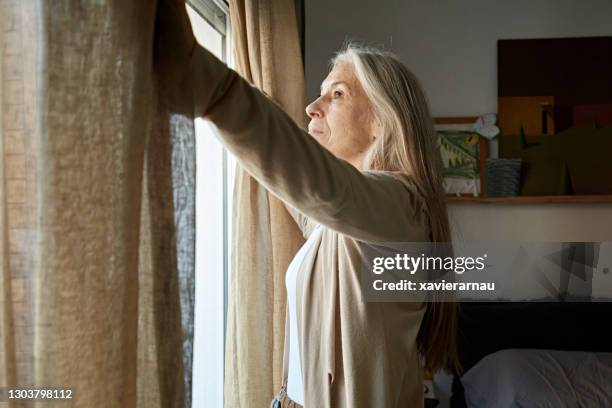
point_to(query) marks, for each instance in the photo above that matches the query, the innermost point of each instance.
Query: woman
(367, 171)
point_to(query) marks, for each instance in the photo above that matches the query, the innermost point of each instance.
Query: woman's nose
(314, 111)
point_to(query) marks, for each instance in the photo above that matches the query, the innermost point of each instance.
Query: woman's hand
(174, 40)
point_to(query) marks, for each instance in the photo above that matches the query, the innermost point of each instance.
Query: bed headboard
(485, 328)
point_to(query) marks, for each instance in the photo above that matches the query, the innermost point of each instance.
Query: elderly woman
(367, 171)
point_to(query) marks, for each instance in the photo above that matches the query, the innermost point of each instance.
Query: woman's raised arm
(368, 206)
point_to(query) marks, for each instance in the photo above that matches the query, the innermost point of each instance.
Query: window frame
(216, 14)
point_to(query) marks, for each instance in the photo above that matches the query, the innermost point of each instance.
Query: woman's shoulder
(406, 180)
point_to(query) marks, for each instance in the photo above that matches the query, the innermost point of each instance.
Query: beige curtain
(96, 207)
(267, 51)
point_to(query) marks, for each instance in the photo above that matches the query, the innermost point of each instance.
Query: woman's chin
(321, 138)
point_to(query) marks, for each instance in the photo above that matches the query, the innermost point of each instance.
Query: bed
(534, 354)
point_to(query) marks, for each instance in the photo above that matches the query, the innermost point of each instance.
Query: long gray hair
(407, 143)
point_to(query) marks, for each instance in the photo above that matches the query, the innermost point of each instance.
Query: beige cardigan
(354, 354)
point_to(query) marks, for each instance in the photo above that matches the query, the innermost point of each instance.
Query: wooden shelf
(566, 199)
(470, 199)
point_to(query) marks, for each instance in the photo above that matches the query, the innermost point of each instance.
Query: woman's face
(341, 119)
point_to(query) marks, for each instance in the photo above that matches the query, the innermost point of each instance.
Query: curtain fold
(265, 237)
(19, 190)
(97, 217)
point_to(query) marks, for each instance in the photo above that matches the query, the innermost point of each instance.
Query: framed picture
(464, 155)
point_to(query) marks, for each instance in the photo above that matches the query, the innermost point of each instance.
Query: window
(214, 184)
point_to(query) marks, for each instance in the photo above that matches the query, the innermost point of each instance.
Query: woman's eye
(337, 94)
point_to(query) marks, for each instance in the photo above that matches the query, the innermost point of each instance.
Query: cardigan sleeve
(286, 160)
(304, 223)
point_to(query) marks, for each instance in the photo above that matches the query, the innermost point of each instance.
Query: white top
(295, 385)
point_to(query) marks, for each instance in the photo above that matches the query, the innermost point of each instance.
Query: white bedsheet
(540, 378)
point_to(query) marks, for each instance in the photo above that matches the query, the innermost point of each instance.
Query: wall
(451, 47)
